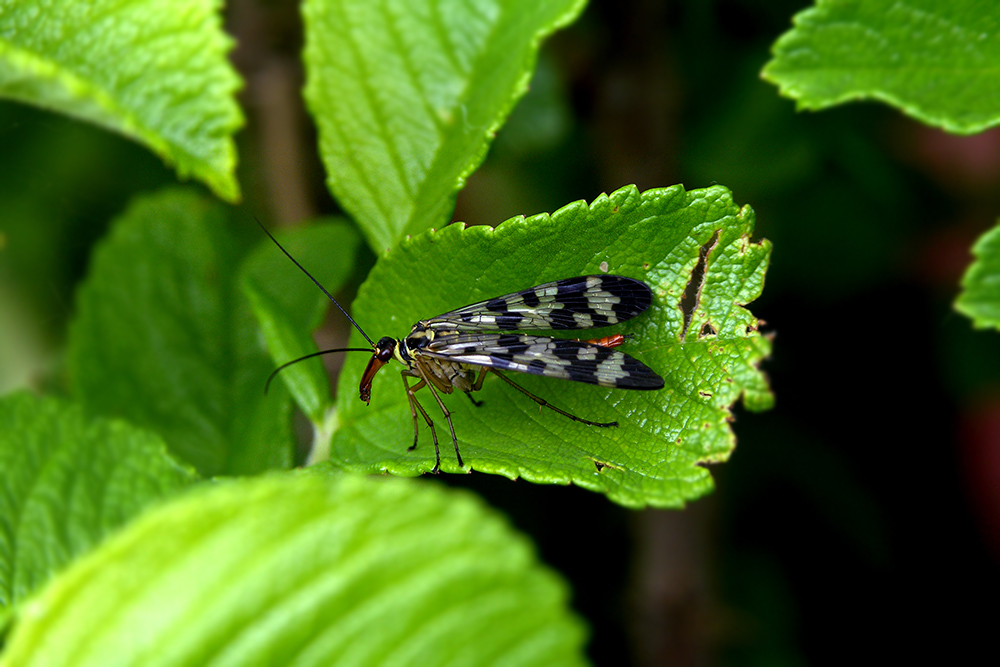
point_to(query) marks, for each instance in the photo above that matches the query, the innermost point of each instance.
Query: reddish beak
(366, 380)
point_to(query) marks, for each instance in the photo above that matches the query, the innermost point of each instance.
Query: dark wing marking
(551, 357)
(586, 302)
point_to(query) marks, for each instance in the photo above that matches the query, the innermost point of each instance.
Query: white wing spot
(536, 350)
(611, 369)
(555, 372)
(479, 359)
(549, 291)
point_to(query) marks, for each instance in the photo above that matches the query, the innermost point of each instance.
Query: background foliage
(861, 514)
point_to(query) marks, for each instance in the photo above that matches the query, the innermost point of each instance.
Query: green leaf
(306, 570)
(934, 60)
(69, 481)
(654, 456)
(408, 95)
(288, 306)
(152, 70)
(164, 339)
(980, 298)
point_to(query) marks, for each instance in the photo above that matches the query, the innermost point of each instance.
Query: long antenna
(302, 268)
(267, 385)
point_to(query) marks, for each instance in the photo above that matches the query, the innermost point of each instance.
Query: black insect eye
(384, 349)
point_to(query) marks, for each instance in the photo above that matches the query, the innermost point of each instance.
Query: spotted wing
(586, 302)
(551, 357)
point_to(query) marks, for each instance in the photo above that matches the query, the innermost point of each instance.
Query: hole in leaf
(692, 293)
(601, 465)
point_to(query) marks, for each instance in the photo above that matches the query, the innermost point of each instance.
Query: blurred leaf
(23, 350)
(306, 570)
(288, 306)
(542, 119)
(69, 481)
(654, 456)
(164, 339)
(934, 60)
(153, 70)
(980, 298)
(408, 96)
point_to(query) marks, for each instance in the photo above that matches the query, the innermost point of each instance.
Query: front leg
(413, 411)
(414, 406)
(447, 416)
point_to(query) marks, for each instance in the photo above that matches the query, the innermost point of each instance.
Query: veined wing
(586, 302)
(551, 357)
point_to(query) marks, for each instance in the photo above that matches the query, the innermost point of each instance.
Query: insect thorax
(419, 337)
(445, 375)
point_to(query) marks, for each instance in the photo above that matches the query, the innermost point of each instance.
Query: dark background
(857, 521)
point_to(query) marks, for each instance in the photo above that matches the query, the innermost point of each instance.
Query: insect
(456, 350)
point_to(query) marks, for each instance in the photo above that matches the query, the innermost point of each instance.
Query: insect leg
(545, 404)
(479, 380)
(413, 410)
(414, 402)
(477, 386)
(447, 415)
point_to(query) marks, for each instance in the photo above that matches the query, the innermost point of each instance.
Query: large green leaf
(288, 306)
(934, 60)
(408, 95)
(69, 481)
(656, 454)
(164, 338)
(980, 298)
(305, 570)
(153, 70)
